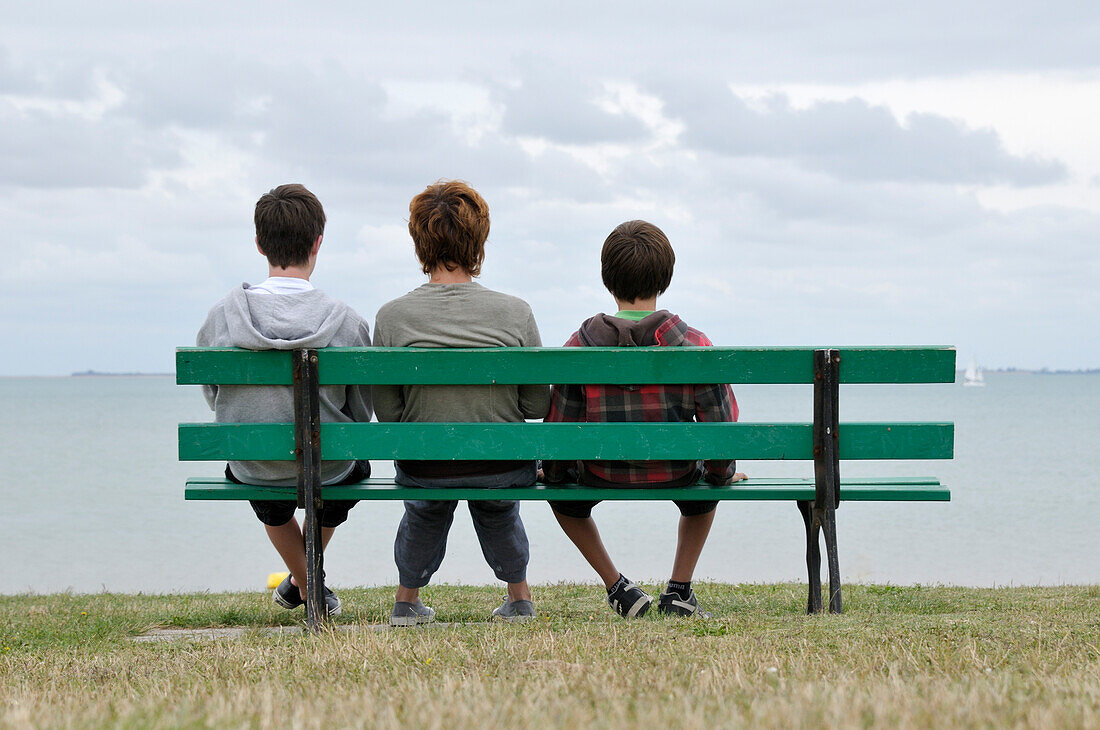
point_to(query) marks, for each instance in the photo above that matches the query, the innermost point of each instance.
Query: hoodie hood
(660, 328)
(306, 319)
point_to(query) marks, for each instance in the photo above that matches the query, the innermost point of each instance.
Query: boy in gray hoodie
(285, 312)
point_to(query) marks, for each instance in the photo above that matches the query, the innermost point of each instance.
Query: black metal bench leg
(307, 442)
(827, 466)
(829, 527)
(316, 610)
(813, 557)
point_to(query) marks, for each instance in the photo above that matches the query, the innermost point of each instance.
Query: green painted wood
(659, 365)
(890, 489)
(233, 366)
(768, 441)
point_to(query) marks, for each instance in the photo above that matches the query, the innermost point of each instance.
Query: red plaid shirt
(647, 403)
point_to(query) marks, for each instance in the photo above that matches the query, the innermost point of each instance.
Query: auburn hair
(449, 223)
(636, 261)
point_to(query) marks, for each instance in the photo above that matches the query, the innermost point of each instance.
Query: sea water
(91, 498)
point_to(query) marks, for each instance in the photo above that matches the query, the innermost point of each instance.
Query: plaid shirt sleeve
(567, 404)
(714, 404)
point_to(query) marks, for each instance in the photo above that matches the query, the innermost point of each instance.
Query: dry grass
(900, 657)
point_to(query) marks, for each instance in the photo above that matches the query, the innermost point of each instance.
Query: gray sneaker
(514, 611)
(411, 614)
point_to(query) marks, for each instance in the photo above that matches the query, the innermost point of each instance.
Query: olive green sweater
(458, 315)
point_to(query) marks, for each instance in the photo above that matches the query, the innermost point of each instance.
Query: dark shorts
(278, 512)
(688, 507)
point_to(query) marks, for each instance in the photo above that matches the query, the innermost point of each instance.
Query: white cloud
(910, 173)
(1053, 115)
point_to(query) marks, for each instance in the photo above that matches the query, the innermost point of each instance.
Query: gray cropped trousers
(421, 539)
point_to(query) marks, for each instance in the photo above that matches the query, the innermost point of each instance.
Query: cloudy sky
(864, 175)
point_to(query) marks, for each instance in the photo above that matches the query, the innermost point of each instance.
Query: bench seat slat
(608, 441)
(659, 365)
(890, 489)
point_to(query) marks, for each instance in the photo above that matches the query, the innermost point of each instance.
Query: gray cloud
(554, 102)
(51, 77)
(853, 140)
(333, 125)
(830, 223)
(61, 131)
(42, 149)
(221, 90)
(745, 41)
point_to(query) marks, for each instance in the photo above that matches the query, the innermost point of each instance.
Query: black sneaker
(287, 595)
(628, 600)
(673, 604)
(332, 602)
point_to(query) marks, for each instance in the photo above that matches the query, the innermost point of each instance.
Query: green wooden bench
(824, 441)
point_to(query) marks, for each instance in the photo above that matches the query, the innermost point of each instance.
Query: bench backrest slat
(659, 365)
(787, 441)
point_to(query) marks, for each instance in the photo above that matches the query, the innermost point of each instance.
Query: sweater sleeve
(207, 337)
(567, 404)
(359, 396)
(534, 399)
(713, 404)
(389, 400)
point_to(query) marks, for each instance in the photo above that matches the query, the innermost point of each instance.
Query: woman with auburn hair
(449, 224)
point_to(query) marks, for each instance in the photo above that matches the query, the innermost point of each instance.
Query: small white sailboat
(973, 376)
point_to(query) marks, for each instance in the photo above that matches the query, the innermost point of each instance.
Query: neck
(638, 305)
(440, 275)
(291, 272)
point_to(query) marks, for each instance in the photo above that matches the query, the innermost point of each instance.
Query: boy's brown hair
(636, 261)
(449, 223)
(289, 219)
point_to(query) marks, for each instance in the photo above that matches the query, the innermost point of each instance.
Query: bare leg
(290, 545)
(586, 536)
(691, 536)
(408, 595)
(519, 591)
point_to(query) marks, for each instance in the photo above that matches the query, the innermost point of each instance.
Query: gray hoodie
(262, 321)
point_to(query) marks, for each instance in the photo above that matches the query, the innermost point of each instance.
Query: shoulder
(213, 332)
(509, 312)
(220, 306)
(695, 337)
(332, 304)
(396, 307)
(675, 331)
(497, 299)
(354, 330)
(583, 337)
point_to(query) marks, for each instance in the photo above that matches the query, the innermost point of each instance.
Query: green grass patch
(901, 656)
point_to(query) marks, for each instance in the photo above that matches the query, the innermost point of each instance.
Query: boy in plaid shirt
(636, 264)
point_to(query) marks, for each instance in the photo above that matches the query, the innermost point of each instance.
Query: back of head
(449, 223)
(636, 261)
(288, 219)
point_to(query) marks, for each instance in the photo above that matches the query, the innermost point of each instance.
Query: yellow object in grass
(274, 579)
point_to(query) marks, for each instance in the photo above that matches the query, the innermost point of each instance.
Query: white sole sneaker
(412, 614)
(630, 601)
(514, 612)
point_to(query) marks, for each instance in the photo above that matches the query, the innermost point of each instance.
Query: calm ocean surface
(93, 498)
